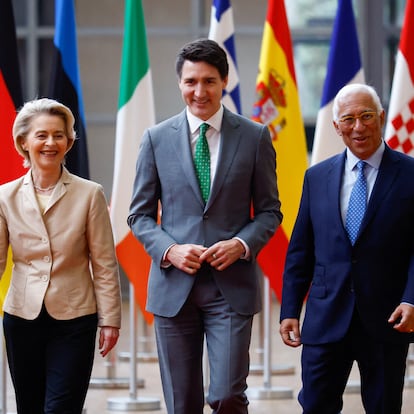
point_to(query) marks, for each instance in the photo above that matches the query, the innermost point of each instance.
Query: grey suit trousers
(180, 343)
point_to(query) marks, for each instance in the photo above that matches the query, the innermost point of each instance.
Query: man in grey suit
(204, 280)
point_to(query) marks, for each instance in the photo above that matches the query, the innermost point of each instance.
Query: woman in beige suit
(65, 278)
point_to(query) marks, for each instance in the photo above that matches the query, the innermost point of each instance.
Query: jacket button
(44, 278)
(46, 259)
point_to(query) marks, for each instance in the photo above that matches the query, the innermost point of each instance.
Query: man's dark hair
(203, 50)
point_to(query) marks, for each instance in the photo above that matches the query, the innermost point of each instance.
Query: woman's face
(46, 142)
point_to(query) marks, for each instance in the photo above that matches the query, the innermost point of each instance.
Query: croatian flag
(222, 31)
(344, 67)
(399, 131)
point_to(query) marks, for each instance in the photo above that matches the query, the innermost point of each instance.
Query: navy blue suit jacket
(375, 275)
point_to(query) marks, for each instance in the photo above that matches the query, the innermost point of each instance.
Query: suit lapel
(180, 145)
(30, 196)
(229, 142)
(59, 191)
(335, 172)
(387, 174)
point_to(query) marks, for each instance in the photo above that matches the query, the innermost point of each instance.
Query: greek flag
(222, 31)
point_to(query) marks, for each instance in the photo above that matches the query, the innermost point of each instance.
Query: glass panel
(394, 12)
(46, 12)
(163, 13)
(310, 66)
(46, 49)
(21, 51)
(99, 13)
(305, 13)
(19, 9)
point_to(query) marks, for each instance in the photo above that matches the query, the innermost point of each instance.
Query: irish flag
(278, 107)
(11, 163)
(135, 114)
(399, 131)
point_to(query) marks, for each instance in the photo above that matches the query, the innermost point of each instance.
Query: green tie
(202, 162)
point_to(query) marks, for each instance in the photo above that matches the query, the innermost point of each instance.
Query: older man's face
(359, 124)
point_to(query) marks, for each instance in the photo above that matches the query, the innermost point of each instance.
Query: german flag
(11, 163)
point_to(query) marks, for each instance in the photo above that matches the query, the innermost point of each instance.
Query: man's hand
(403, 318)
(223, 253)
(289, 331)
(186, 257)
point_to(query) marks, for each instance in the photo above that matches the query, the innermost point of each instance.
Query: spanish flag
(277, 106)
(11, 163)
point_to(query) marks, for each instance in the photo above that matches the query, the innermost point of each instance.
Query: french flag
(344, 67)
(399, 131)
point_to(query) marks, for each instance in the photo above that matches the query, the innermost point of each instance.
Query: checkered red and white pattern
(402, 130)
(399, 131)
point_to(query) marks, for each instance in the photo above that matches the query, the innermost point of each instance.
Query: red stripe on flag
(11, 163)
(276, 17)
(272, 260)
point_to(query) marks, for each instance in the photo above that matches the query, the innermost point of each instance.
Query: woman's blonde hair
(32, 109)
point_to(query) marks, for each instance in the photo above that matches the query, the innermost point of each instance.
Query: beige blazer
(65, 257)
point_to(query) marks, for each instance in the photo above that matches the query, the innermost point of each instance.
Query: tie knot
(203, 128)
(361, 165)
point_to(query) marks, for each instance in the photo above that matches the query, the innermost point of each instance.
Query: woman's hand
(108, 337)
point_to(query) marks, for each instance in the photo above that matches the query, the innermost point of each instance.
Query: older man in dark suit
(352, 251)
(204, 279)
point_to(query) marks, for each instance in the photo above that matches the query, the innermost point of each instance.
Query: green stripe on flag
(135, 58)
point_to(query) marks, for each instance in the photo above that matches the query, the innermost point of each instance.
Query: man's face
(359, 124)
(201, 88)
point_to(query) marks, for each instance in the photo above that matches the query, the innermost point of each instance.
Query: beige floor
(111, 391)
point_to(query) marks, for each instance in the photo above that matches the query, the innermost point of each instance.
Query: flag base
(133, 404)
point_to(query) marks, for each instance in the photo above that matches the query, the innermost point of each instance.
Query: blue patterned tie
(357, 204)
(202, 162)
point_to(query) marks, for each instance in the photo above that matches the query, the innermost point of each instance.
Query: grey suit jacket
(243, 203)
(63, 257)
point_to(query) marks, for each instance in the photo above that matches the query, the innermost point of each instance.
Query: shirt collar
(215, 121)
(374, 160)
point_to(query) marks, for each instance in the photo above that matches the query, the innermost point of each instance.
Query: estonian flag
(65, 84)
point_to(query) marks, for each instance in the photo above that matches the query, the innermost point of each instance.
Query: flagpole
(279, 369)
(111, 381)
(133, 402)
(267, 392)
(148, 354)
(3, 386)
